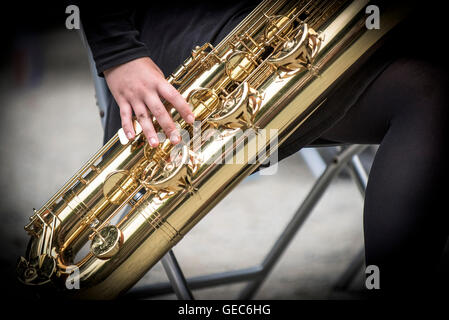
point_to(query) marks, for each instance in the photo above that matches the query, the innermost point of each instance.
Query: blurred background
(50, 125)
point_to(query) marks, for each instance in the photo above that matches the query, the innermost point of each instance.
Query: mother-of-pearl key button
(122, 136)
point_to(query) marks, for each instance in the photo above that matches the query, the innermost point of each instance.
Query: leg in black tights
(405, 110)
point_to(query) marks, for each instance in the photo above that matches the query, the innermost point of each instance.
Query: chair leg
(301, 215)
(360, 177)
(356, 266)
(313, 160)
(176, 277)
(102, 94)
(256, 275)
(359, 174)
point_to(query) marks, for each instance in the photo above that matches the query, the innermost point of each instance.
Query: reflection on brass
(118, 185)
(262, 76)
(300, 51)
(238, 110)
(203, 101)
(239, 66)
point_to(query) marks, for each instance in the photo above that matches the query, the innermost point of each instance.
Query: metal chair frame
(347, 157)
(256, 275)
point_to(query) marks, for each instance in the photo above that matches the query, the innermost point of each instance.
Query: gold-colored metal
(271, 72)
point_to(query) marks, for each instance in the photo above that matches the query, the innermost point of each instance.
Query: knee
(421, 88)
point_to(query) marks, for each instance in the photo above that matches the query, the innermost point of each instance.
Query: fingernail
(153, 142)
(190, 118)
(174, 138)
(129, 135)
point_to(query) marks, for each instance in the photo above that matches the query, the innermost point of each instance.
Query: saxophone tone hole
(106, 243)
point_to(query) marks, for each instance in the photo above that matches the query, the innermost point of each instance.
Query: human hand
(139, 85)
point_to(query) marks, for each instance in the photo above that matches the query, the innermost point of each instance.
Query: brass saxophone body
(130, 203)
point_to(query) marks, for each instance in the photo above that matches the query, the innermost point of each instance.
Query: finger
(163, 118)
(144, 118)
(127, 121)
(168, 92)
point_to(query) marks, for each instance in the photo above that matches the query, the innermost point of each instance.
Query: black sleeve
(111, 34)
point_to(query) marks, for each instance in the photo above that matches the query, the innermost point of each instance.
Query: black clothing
(166, 32)
(398, 99)
(405, 110)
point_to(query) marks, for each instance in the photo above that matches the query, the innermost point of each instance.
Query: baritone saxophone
(131, 203)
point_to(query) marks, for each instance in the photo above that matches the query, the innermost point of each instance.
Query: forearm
(111, 34)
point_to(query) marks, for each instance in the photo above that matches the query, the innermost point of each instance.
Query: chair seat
(321, 142)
